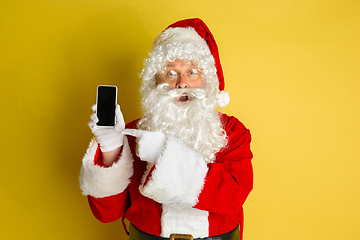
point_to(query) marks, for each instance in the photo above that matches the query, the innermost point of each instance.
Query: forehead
(180, 63)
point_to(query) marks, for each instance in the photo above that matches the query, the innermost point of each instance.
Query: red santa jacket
(180, 193)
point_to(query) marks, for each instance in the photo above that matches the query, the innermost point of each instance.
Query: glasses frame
(178, 74)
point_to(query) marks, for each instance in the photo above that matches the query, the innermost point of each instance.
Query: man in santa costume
(183, 168)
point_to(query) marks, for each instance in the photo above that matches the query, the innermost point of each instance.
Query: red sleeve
(230, 179)
(111, 208)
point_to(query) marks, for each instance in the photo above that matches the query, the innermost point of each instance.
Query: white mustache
(198, 93)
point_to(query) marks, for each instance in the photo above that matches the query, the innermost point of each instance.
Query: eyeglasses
(171, 75)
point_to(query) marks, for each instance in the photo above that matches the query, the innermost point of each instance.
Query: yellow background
(292, 69)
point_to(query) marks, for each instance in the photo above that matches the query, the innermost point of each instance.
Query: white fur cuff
(101, 182)
(178, 177)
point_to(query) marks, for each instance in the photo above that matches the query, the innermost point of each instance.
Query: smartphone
(106, 101)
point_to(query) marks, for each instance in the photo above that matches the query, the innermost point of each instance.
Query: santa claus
(183, 168)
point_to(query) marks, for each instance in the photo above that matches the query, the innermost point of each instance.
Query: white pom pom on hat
(223, 99)
(203, 38)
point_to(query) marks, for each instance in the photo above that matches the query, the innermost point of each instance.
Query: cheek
(197, 84)
(160, 80)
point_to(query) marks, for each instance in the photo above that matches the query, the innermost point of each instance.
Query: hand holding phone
(109, 137)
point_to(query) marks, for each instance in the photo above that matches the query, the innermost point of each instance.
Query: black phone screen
(106, 103)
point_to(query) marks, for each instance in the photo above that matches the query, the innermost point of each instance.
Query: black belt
(136, 234)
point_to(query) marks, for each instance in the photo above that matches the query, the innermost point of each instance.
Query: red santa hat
(183, 31)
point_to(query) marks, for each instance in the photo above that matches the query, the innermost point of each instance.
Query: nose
(182, 82)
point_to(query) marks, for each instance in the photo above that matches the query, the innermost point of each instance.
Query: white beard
(195, 122)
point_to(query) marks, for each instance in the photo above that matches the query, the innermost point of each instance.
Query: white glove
(109, 138)
(150, 144)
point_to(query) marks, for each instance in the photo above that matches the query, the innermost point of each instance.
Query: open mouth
(184, 98)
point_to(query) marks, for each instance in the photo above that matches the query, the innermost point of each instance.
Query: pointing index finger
(133, 132)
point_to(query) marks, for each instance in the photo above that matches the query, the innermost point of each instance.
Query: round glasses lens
(170, 75)
(192, 74)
